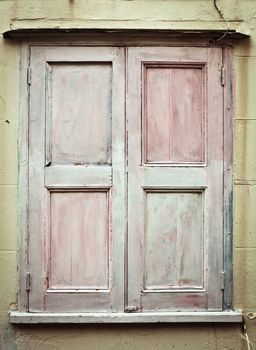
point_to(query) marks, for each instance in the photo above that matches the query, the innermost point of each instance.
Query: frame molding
(154, 38)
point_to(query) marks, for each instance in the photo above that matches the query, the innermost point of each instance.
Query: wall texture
(131, 14)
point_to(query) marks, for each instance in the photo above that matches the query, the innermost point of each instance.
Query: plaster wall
(153, 14)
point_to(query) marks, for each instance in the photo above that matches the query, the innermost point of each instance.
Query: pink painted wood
(175, 179)
(175, 155)
(173, 241)
(80, 102)
(174, 113)
(79, 241)
(76, 249)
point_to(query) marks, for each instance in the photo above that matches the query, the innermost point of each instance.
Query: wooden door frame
(122, 39)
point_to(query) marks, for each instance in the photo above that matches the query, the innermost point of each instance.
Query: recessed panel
(81, 113)
(174, 114)
(79, 241)
(173, 241)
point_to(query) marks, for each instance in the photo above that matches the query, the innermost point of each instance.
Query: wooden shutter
(76, 179)
(175, 178)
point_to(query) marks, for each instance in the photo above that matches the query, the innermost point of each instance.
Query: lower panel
(174, 261)
(79, 241)
(174, 240)
(79, 254)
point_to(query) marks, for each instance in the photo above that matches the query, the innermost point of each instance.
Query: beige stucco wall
(131, 14)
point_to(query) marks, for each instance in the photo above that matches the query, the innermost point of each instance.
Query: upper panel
(174, 113)
(80, 107)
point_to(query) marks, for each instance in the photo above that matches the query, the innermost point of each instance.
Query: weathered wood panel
(174, 114)
(79, 242)
(38, 214)
(193, 164)
(174, 241)
(77, 179)
(168, 160)
(174, 301)
(68, 176)
(215, 178)
(177, 177)
(80, 102)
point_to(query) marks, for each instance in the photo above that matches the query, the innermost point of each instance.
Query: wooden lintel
(46, 33)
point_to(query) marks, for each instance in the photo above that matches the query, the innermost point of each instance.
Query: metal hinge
(222, 75)
(131, 309)
(29, 74)
(28, 281)
(223, 280)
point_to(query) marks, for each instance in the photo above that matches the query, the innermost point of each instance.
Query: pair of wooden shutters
(125, 179)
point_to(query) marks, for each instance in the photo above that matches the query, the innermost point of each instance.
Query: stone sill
(17, 317)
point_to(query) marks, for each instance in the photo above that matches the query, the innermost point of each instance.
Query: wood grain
(175, 124)
(79, 241)
(80, 103)
(76, 179)
(174, 241)
(216, 176)
(174, 114)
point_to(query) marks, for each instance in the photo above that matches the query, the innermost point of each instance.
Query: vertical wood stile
(135, 191)
(228, 199)
(23, 178)
(215, 175)
(37, 191)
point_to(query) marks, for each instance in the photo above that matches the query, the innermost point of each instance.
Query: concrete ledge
(17, 317)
